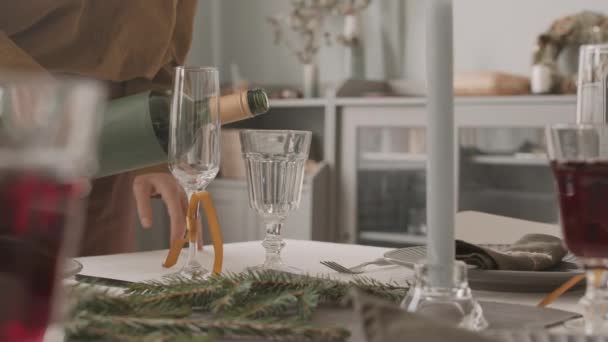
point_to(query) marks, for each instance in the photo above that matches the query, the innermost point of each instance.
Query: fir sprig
(329, 290)
(109, 334)
(263, 304)
(123, 328)
(231, 297)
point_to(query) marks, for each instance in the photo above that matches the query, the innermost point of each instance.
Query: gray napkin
(533, 252)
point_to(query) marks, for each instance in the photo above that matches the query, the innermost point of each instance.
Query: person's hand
(146, 186)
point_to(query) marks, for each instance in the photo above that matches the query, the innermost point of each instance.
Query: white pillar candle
(441, 207)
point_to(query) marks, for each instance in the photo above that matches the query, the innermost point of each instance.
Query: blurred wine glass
(48, 136)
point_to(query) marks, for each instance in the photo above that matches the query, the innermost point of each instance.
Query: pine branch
(389, 291)
(105, 334)
(156, 287)
(272, 282)
(98, 334)
(104, 304)
(265, 304)
(130, 326)
(196, 296)
(221, 292)
(234, 295)
(308, 303)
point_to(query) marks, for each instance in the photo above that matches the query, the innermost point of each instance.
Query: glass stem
(193, 240)
(595, 301)
(273, 243)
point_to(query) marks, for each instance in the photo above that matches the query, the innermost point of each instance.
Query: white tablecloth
(305, 255)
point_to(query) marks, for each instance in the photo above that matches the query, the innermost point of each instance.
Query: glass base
(452, 304)
(578, 327)
(193, 270)
(276, 268)
(594, 303)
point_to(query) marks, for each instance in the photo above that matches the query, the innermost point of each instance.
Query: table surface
(304, 255)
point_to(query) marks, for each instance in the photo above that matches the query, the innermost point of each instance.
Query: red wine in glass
(34, 210)
(583, 200)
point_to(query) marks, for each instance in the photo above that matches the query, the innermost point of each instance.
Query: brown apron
(133, 45)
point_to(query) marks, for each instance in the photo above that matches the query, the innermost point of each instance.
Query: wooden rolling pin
(490, 84)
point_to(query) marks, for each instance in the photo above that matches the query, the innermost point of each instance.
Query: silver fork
(356, 269)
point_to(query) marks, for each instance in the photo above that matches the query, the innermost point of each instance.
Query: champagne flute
(275, 161)
(194, 142)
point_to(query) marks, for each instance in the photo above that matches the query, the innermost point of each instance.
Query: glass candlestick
(453, 305)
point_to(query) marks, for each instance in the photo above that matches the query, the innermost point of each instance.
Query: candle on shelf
(441, 207)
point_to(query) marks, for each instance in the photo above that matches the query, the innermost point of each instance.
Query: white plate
(510, 281)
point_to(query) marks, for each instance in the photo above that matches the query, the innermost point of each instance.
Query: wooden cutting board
(490, 83)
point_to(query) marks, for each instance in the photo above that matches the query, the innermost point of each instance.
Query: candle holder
(452, 304)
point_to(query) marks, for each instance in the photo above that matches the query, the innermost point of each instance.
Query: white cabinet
(500, 164)
(238, 223)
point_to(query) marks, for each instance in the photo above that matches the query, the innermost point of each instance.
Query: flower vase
(354, 54)
(354, 63)
(310, 80)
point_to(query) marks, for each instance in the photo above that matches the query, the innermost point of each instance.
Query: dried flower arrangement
(564, 35)
(306, 21)
(581, 28)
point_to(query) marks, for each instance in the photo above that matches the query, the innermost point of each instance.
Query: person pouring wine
(133, 46)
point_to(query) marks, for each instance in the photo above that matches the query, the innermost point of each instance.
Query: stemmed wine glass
(275, 160)
(194, 142)
(579, 159)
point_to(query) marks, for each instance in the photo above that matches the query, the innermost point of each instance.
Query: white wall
(201, 51)
(247, 40)
(489, 34)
